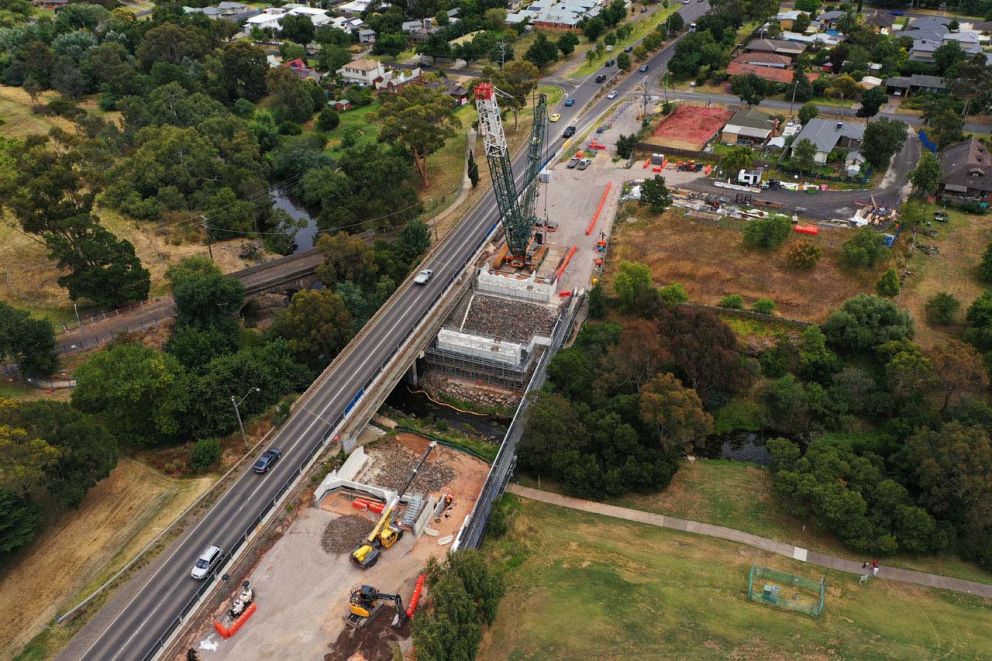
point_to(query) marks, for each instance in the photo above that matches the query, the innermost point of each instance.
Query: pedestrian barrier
(227, 632)
(415, 599)
(599, 209)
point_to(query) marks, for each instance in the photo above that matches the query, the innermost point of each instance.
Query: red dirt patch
(690, 127)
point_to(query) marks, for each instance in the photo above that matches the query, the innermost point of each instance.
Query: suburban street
(146, 608)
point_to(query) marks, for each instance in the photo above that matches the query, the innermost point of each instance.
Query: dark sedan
(267, 460)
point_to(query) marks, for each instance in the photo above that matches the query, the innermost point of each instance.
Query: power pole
(206, 229)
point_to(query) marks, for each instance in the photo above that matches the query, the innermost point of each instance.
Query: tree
(623, 62)
(518, 79)
(436, 46)
(195, 347)
(801, 23)
(240, 72)
(420, 119)
(979, 317)
(807, 112)
(139, 392)
(390, 43)
(655, 194)
(473, 170)
(909, 373)
(864, 322)
(328, 120)
(883, 138)
(28, 342)
(332, 58)
(767, 233)
(675, 22)
(207, 299)
(317, 325)
(676, 412)
(347, 258)
(803, 255)
(614, 13)
(206, 453)
(959, 369)
(20, 518)
(888, 284)
(947, 55)
(567, 42)
(845, 87)
(542, 52)
(864, 250)
(942, 309)
(738, 158)
(926, 175)
(945, 127)
(810, 7)
(593, 29)
(750, 88)
(872, 101)
(297, 28)
(103, 268)
(626, 144)
(804, 155)
(290, 100)
(633, 285)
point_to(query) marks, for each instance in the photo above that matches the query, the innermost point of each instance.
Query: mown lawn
(583, 586)
(643, 26)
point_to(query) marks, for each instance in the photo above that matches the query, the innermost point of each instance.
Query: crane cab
(390, 536)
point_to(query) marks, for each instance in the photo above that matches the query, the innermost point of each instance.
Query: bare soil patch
(711, 262)
(377, 641)
(689, 127)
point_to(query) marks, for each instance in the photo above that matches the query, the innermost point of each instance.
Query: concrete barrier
(353, 465)
(425, 516)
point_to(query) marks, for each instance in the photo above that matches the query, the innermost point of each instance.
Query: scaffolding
(483, 358)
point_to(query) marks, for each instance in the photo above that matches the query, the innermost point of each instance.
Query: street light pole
(237, 413)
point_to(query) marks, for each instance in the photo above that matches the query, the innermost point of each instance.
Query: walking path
(780, 548)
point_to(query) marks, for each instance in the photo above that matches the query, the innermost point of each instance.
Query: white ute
(423, 277)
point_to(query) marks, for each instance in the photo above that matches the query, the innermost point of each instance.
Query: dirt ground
(302, 588)
(690, 127)
(711, 262)
(119, 516)
(954, 271)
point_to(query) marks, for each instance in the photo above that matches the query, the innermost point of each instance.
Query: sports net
(794, 593)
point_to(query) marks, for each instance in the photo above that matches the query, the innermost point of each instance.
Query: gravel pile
(509, 320)
(344, 533)
(392, 464)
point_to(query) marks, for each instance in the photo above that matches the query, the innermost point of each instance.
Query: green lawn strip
(355, 121)
(585, 586)
(642, 28)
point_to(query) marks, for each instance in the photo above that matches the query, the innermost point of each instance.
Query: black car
(267, 460)
(601, 77)
(569, 132)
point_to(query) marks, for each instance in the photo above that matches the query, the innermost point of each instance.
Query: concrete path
(779, 548)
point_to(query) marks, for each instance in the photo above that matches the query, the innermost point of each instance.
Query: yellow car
(554, 117)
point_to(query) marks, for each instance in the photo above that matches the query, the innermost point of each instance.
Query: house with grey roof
(827, 135)
(236, 12)
(828, 20)
(748, 126)
(915, 84)
(881, 20)
(790, 49)
(966, 172)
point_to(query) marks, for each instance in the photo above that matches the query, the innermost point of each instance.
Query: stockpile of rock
(343, 533)
(392, 464)
(509, 320)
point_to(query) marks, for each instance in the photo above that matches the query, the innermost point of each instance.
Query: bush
(803, 255)
(768, 232)
(888, 284)
(328, 120)
(764, 306)
(733, 302)
(290, 128)
(205, 455)
(865, 249)
(673, 294)
(942, 309)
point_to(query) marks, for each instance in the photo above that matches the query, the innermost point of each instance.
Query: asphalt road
(131, 623)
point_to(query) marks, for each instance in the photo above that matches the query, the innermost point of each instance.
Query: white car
(612, 95)
(423, 277)
(207, 562)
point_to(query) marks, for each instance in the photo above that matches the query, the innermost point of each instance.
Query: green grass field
(582, 586)
(642, 28)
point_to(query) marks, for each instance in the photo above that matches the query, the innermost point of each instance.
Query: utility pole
(237, 413)
(210, 248)
(502, 53)
(792, 103)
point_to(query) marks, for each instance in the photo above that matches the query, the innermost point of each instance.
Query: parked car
(267, 460)
(940, 216)
(207, 562)
(572, 163)
(423, 277)
(628, 49)
(554, 117)
(609, 63)
(583, 164)
(569, 102)
(643, 69)
(569, 132)
(612, 94)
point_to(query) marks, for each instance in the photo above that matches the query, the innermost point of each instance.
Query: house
(748, 126)
(870, 82)
(786, 19)
(50, 4)
(853, 163)
(827, 135)
(915, 84)
(968, 41)
(393, 80)
(358, 7)
(767, 66)
(770, 60)
(366, 36)
(362, 72)
(824, 39)
(420, 29)
(790, 49)
(318, 17)
(966, 170)
(236, 12)
(452, 88)
(881, 21)
(339, 105)
(829, 20)
(300, 68)
(556, 15)
(267, 20)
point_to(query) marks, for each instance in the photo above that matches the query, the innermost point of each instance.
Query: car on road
(423, 277)
(267, 460)
(583, 164)
(569, 132)
(628, 49)
(643, 68)
(574, 161)
(554, 117)
(940, 216)
(207, 562)
(569, 102)
(612, 94)
(601, 77)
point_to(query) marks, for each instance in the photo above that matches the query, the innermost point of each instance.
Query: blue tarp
(926, 141)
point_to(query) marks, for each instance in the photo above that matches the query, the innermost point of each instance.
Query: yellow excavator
(367, 602)
(385, 533)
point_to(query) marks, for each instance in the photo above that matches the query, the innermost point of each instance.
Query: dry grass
(954, 271)
(119, 516)
(18, 120)
(711, 262)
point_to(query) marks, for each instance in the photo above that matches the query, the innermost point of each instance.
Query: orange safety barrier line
(599, 209)
(226, 632)
(564, 264)
(416, 596)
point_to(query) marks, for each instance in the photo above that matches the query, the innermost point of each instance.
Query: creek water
(306, 235)
(416, 404)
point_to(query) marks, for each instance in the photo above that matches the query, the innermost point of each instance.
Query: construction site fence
(472, 533)
(759, 577)
(332, 426)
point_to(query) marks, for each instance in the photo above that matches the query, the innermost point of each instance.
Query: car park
(569, 102)
(612, 94)
(572, 163)
(554, 117)
(267, 460)
(569, 132)
(207, 562)
(583, 164)
(643, 68)
(423, 277)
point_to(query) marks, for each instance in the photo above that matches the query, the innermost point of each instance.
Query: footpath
(779, 548)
